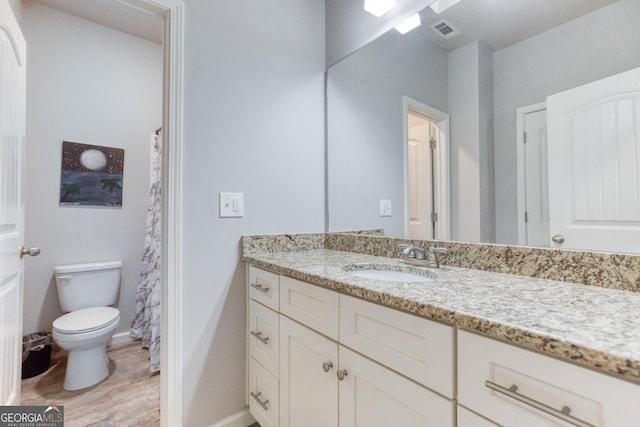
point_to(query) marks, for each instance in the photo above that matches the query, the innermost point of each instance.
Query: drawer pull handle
(341, 374)
(258, 335)
(260, 288)
(256, 397)
(326, 366)
(563, 414)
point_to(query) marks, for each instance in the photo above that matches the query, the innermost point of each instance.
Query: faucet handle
(406, 249)
(437, 250)
(432, 257)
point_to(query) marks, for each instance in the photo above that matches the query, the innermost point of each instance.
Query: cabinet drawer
(487, 369)
(264, 287)
(263, 395)
(264, 336)
(310, 305)
(416, 347)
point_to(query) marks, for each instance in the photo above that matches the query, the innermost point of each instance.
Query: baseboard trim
(121, 338)
(239, 419)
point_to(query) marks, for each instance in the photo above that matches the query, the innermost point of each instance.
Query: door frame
(441, 175)
(172, 125)
(521, 159)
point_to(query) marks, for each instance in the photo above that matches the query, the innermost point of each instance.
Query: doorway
(426, 171)
(171, 14)
(533, 176)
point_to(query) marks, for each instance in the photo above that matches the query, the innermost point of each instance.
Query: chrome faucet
(418, 256)
(432, 257)
(410, 251)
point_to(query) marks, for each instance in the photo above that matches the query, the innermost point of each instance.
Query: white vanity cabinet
(515, 387)
(326, 382)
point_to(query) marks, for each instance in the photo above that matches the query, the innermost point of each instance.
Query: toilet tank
(88, 285)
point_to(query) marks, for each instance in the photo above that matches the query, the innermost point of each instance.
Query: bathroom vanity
(463, 347)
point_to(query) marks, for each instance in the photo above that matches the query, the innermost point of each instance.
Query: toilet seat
(86, 320)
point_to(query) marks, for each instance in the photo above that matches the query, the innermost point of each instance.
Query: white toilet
(85, 291)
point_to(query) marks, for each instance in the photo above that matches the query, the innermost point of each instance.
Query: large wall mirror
(446, 132)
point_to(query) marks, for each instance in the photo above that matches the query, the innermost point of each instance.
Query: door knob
(558, 238)
(32, 251)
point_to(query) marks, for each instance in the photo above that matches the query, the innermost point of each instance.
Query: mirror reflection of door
(424, 140)
(594, 163)
(536, 178)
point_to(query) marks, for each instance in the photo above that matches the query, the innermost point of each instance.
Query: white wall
(86, 83)
(254, 123)
(470, 107)
(589, 48)
(349, 26)
(366, 149)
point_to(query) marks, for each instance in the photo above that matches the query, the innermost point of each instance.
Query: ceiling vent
(445, 29)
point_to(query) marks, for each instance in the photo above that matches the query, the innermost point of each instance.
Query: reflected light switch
(385, 207)
(231, 205)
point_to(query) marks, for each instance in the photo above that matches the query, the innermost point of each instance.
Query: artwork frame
(91, 175)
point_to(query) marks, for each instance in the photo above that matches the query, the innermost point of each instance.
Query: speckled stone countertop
(591, 326)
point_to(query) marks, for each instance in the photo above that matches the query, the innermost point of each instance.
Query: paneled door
(536, 176)
(12, 133)
(594, 165)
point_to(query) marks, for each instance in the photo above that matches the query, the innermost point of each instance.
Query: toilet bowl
(86, 291)
(84, 334)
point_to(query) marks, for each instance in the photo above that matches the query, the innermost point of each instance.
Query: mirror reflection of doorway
(537, 178)
(427, 186)
(423, 141)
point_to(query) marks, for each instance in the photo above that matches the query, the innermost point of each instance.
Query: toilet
(85, 292)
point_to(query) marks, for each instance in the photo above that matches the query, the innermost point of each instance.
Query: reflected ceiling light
(440, 6)
(408, 24)
(379, 7)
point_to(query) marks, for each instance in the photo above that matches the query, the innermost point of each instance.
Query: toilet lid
(86, 320)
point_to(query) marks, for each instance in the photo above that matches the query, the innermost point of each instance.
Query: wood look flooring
(129, 396)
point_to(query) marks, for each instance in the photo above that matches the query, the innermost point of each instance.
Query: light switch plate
(231, 205)
(385, 207)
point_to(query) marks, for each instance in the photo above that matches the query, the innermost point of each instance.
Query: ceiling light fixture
(440, 6)
(379, 7)
(408, 24)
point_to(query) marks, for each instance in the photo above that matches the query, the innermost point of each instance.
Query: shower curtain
(146, 322)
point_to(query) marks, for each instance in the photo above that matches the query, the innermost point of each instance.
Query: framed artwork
(91, 175)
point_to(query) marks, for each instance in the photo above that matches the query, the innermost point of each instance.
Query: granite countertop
(592, 326)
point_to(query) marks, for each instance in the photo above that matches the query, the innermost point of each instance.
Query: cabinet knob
(558, 238)
(341, 374)
(326, 366)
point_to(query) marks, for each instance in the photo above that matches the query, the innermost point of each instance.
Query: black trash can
(36, 354)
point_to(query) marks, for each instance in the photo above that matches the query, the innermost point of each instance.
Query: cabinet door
(467, 418)
(308, 382)
(374, 396)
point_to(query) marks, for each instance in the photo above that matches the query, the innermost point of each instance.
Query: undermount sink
(390, 273)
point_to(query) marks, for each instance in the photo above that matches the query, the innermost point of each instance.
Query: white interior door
(594, 165)
(12, 132)
(536, 177)
(420, 179)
